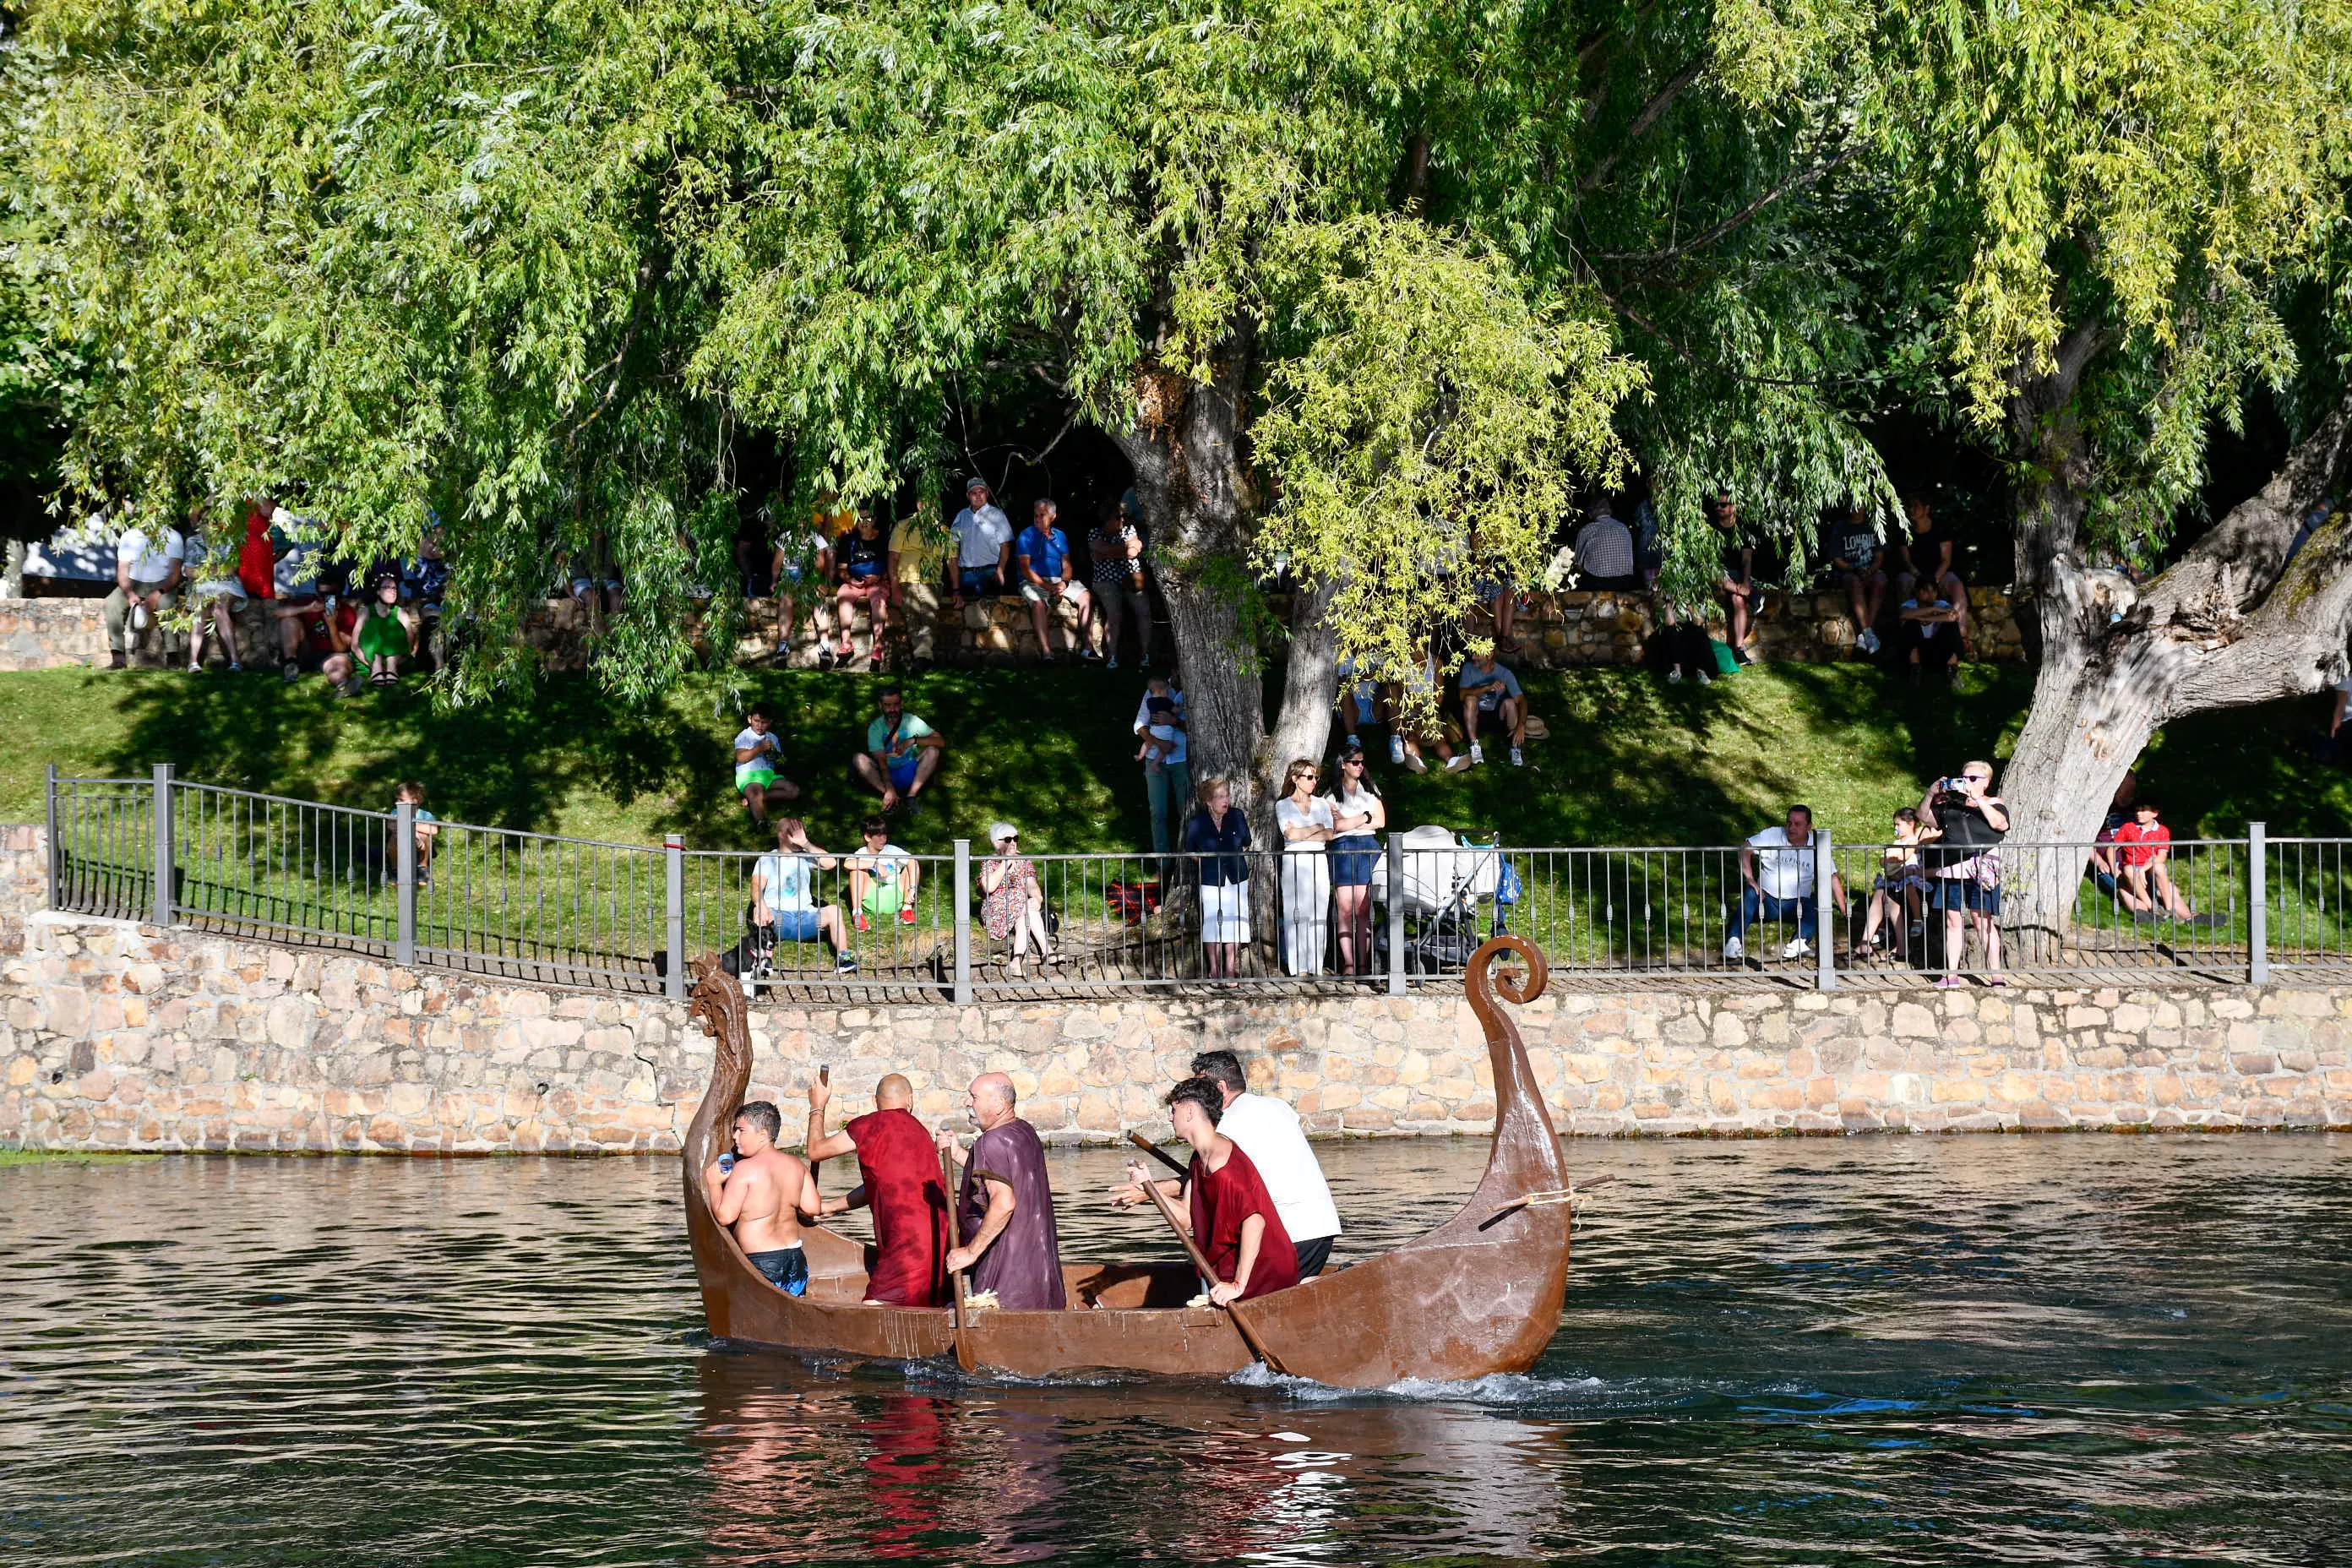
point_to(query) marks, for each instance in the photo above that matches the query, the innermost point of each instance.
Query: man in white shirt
(983, 545)
(148, 565)
(1777, 865)
(1267, 1130)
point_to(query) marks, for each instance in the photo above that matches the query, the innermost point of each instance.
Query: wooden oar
(955, 1239)
(1192, 1250)
(1163, 1156)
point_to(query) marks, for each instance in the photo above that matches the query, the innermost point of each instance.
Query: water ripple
(1895, 1351)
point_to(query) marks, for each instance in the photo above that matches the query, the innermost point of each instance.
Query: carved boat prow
(1478, 1295)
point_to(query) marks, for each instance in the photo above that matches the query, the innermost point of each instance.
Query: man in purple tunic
(1004, 1205)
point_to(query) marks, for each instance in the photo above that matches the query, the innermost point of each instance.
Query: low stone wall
(1555, 630)
(118, 1035)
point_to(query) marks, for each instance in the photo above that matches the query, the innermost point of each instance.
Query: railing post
(164, 856)
(674, 915)
(404, 940)
(1825, 911)
(55, 860)
(2258, 903)
(962, 922)
(1396, 914)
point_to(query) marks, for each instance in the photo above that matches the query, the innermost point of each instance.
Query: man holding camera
(1966, 822)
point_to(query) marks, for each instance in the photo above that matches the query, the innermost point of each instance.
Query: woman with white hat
(1012, 901)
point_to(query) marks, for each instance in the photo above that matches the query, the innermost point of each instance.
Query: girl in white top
(1305, 824)
(1358, 817)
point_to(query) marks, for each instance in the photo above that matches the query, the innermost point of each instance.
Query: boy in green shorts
(883, 878)
(756, 779)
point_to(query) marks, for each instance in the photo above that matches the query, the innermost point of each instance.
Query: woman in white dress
(1304, 820)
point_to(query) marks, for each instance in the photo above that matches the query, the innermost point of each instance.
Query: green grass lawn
(1630, 761)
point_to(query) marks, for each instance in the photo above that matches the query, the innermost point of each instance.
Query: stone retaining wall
(118, 1035)
(1555, 631)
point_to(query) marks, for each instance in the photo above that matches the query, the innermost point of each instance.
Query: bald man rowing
(1006, 1204)
(898, 1176)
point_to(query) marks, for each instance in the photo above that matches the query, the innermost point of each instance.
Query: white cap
(998, 833)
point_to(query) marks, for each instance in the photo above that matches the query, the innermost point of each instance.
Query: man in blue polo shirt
(1041, 558)
(1492, 693)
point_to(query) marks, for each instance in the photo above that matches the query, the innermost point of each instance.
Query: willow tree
(2125, 204)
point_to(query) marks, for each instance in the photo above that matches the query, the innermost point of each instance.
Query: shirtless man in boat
(761, 1198)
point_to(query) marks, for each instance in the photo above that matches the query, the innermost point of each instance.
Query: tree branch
(1648, 117)
(1738, 219)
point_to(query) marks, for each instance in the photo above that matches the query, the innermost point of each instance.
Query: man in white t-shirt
(1777, 865)
(785, 902)
(983, 545)
(148, 565)
(1267, 1130)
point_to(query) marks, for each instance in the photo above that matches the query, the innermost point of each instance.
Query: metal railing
(839, 922)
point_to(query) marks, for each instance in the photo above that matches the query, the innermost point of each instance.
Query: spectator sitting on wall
(1898, 894)
(883, 878)
(1737, 583)
(1929, 560)
(588, 583)
(300, 608)
(861, 568)
(1604, 550)
(425, 828)
(384, 631)
(923, 562)
(800, 564)
(1681, 643)
(1777, 866)
(902, 752)
(757, 753)
(1491, 690)
(1042, 558)
(2144, 848)
(983, 545)
(1361, 708)
(1927, 635)
(784, 906)
(1854, 564)
(149, 564)
(220, 594)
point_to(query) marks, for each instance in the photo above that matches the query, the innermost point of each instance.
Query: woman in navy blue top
(1218, 833)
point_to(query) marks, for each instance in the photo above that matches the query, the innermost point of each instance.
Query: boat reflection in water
(992, 1472)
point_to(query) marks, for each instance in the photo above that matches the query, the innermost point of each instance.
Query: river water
(2077, 1350)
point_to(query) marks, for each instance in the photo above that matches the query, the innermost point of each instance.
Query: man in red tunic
(898, 1177)
(1234, 1217)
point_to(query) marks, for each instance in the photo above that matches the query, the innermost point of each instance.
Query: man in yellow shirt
(921, 557)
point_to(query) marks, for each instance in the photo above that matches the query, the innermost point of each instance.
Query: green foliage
(1434, 416)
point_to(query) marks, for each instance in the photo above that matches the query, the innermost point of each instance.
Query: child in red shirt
(2146, 854)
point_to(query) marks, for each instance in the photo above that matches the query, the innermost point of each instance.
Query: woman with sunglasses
(1358, 817)
(1304, 822)
(1012, 901)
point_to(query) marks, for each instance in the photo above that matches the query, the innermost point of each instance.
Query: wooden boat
(1479, 1294)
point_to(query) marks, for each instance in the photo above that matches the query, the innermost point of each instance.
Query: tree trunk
(2243, 617)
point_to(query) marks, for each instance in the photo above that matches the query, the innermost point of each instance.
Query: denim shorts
(1353, 855)
(794, 925)
(1964, 893)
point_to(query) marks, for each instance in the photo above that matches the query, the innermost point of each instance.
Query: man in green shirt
(902, 752)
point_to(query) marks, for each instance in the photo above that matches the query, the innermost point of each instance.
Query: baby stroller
(1445, 878)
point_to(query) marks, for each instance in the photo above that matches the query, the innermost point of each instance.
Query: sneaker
(1455, 765)
(1950, 983)
(825, 658)
(1705, 679)
(1675, 676)
(234, 668)
(864, 923)
(1869, 640)
(1733, 950)
(1518, 760)
(1396, 751)
(1797, 949)
(291, 671)
(1111, 663)
(1415, 764)
(116, 661)
(1091, 657)
(195, 669)
(906, 914)
(1477, 753)
(846, 963)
